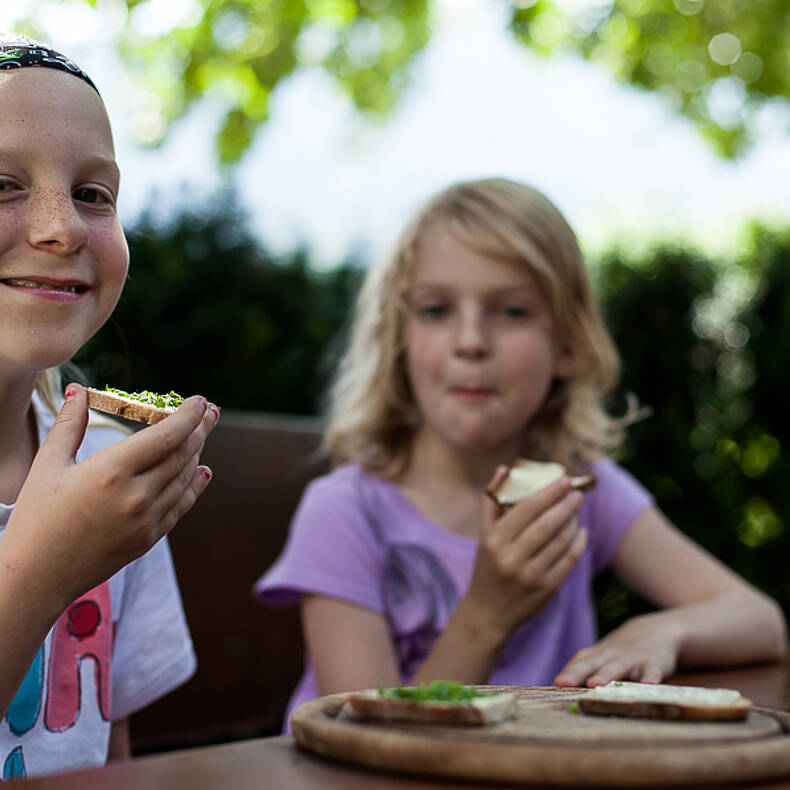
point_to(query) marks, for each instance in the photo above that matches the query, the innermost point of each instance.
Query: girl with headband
(92, 623)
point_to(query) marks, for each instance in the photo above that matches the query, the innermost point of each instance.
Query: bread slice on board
(660, 701)
(479, 711)
(526, 477)
(126, 407)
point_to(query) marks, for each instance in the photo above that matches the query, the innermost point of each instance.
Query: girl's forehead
(45, 101)
(443, 257)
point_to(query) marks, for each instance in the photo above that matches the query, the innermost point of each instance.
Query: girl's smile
(66, 290)
(63, 255)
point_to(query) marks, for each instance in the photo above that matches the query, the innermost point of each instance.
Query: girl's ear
(565, 363)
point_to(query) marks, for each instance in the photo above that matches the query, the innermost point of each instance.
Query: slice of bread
(479, 711)
(526, 477)
(661, 701)
(127, 407)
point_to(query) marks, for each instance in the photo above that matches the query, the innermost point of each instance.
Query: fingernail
(70, 393)
(207, 474)
(214, 410)
(203, 404)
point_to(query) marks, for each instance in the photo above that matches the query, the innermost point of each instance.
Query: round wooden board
(547, 743)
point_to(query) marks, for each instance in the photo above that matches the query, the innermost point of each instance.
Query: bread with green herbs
(440, 702)
(145, 406)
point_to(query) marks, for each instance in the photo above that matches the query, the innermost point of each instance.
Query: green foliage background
(718, 62)
(704, 345)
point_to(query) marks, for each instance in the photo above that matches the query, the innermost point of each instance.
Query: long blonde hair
(372, 414)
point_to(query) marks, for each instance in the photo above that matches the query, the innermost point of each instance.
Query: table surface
(278, 762)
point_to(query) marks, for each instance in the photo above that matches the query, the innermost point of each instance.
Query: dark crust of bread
(374, 706)
(113, 404)
(641, 709)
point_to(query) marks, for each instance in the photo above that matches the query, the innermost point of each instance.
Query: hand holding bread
(109, 509)
(524, 554)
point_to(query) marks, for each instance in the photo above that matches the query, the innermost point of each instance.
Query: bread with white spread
(526, 477)
(662, 701)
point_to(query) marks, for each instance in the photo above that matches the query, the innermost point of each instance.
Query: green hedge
(704, 346)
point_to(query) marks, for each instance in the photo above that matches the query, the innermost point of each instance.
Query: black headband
(17, 51)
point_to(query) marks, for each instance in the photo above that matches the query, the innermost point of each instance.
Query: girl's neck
(446, 484)
(432, 458)
(18, 437)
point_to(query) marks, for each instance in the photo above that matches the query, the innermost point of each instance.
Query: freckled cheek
(113, 251)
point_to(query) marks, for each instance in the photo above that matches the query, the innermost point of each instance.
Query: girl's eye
(7, 185)
(514, 311)
(91, 195)
(433, 311)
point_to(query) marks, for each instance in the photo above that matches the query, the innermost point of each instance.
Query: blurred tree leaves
(722, 63)
(705, 346)
(719, 62)
(237, 51)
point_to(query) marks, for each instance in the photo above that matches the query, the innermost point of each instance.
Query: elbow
(777, 626)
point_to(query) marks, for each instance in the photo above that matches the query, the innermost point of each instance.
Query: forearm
(27, 612)
(737, 627)
(467, 649)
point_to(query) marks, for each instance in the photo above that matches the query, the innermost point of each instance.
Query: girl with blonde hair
(476, 343)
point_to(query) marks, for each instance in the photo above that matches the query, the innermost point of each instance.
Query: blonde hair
(48, 385)
(372, 414)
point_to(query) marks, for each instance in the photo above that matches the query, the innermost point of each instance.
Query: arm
(120, 747)
(523, 557)
(74, 525)
(709, 615)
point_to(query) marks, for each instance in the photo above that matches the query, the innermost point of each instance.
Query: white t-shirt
(112, 652)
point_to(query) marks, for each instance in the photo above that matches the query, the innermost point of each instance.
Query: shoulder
(612, 507)
(613, 478)
(344, 484)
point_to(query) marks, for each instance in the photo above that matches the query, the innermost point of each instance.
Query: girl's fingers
(169, 489)
(554, 576)
(547, 528)
(525, 511)
(582, 666)
(151, 446)
(185, 457)
(189, 495)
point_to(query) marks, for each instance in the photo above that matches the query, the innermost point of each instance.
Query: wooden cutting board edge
(316, 729)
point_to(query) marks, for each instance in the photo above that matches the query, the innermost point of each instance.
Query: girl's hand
(643, 649)
(75, 524)
(525, 554)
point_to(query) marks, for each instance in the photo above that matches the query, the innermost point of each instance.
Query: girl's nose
(472, 336)
(54, 224)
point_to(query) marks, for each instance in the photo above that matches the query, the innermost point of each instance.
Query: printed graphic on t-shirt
(83, 632)
(420, 594)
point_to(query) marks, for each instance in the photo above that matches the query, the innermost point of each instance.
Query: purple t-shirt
(356, 537)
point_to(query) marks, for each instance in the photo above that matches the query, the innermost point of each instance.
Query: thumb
(492, 510)
(68, 431)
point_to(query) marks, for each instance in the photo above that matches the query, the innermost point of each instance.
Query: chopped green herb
(170, 401)
(574, 707)
(438, 691)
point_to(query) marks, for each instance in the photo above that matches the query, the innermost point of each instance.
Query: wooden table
(279, 763)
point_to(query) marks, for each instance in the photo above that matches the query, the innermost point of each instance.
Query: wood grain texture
(547, 743)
